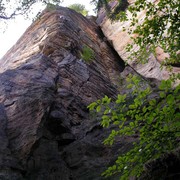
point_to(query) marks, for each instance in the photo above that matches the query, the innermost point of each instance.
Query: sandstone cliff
(46, 132)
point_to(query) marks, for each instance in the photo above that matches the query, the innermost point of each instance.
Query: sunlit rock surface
(120, 39)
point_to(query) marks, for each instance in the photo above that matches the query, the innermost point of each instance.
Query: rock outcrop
(46, 131)
(120, 39)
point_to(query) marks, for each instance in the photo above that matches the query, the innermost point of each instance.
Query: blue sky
(17, 27)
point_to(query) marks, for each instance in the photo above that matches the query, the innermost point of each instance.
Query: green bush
(79, 8)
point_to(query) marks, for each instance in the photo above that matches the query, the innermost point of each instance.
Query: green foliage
(154, 120)
(79, 8)
(87, 54)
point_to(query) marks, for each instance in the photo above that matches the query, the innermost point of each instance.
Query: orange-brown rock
(120, 39)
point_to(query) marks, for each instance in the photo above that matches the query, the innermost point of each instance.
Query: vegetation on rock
(79, 8)
(87, 54)
(153, 117)
(150, 115)
(154, 121)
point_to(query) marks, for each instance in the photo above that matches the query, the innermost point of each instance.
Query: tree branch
(8, 17)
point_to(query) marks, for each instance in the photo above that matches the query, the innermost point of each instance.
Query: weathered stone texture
(46, 131)
(120, 39)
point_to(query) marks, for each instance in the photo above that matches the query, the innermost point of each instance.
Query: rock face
(46, 131)
(120, 39)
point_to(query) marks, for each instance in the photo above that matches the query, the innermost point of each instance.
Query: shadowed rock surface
(46, 131)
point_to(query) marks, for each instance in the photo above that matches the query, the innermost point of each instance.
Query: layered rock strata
(46, 131)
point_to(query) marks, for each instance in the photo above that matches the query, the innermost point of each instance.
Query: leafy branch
(154, 121)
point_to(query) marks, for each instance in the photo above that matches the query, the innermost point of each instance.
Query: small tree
(79, 8)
